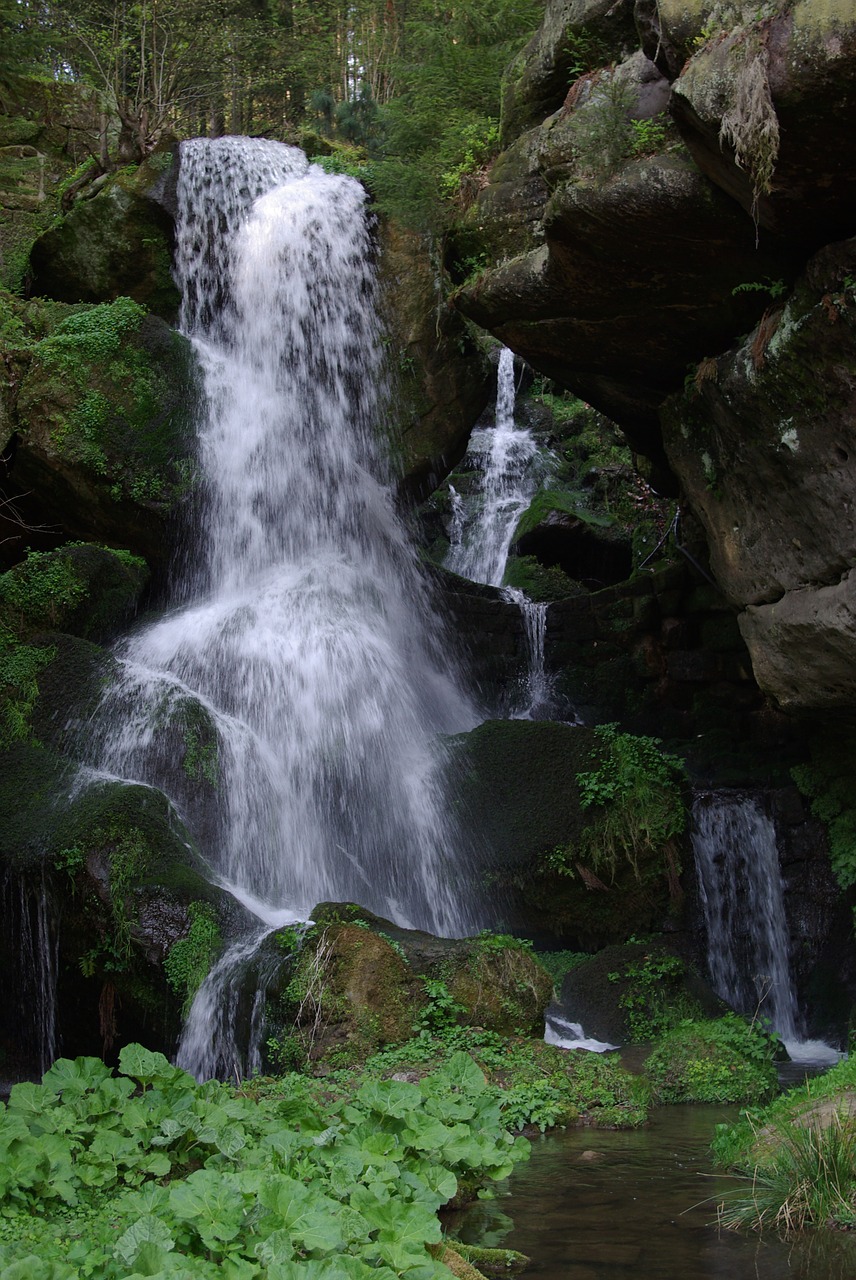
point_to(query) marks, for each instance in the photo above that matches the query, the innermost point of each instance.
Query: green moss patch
(726, 1060)
(87, 591)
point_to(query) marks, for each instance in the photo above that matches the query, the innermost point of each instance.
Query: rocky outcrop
(115, 241)
(763, 442)
(439, 378)
(623, 266)
(98, 421)
(629, 247)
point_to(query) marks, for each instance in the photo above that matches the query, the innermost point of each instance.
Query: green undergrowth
(797, 1157)
(147, 1173)
(826, 780)
(722, 1060)
(20, 665)
(189, 958)
(537, 1085)
(635, 794)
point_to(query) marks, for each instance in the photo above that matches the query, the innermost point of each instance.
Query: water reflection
(592, 1205)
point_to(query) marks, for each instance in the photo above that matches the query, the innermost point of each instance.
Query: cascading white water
(740, 885)
(538, 694)
(305, 645)
(506, 457)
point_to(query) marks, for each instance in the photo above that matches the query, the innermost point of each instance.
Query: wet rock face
(764, 446)
(439, 379)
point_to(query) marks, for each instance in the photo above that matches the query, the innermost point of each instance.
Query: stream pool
(593, 1204)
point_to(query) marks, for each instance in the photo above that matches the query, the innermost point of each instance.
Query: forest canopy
(413, 85)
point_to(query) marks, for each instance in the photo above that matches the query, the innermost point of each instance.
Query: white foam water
(565, 1034)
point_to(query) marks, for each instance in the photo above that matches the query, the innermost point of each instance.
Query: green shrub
(189, 958)
(635, 790)
(722, 1060)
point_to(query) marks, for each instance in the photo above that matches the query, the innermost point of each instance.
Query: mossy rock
(498, 984)
(516, 783)
(86, 591)
(636, 991)
(103, 421)
(113, 243)
(49, 687)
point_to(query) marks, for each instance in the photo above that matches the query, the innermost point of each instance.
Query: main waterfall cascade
(740, 886)
(303, 640)
(510, 467)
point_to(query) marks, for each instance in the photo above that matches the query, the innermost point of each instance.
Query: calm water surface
(597, 1205)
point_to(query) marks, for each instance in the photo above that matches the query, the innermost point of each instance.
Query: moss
(538, 581)
(503, 989)
(189, 958)
(87, 591)
(20, 667)
(108, 390)
(491, 1262)
(725, 1060)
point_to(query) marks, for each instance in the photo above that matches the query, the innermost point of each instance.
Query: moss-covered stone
(101, 410)
(86, 591)
(115, 241)
(636, 992)
(518, 783)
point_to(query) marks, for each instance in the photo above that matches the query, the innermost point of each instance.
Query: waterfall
(538, 690)
(740, 884)
(34, 940)
(303, 640)
(505, 457)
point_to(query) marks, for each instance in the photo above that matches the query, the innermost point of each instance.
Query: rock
(101, 412)
(797, 68)
(575, 36)
(375, 981)
(517, 781)
(114, 243)
(86, 591)
(765, 449)
(614, 1008)
(619, 278)
(803, 647)
(440, 380)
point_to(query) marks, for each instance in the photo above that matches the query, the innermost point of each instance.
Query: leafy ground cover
(146, 1173)
(719, 1060)
(797, 1157)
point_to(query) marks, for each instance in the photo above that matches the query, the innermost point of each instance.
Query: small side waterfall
(34, 941)
(482, 526)
(740, 884)
(539, 685)
(505, 456)
(303, 648)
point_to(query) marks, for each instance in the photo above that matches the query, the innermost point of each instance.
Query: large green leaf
(73, 1078)
(147, 1230)
(209, 1203)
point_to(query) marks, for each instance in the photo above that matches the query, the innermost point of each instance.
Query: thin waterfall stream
(742, 896)
(507, 458)
(301, 646)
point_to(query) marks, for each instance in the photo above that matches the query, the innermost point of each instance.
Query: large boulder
(98, 412)
(115, 241)
(763, 442)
